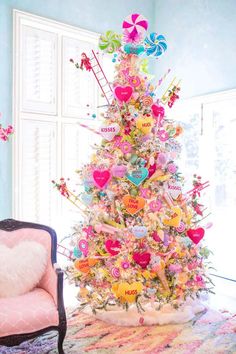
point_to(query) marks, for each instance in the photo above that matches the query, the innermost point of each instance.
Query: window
(209, 148)
(50, 98)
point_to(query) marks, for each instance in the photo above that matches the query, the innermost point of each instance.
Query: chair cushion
(10, 239)
(21, 267)
(27, 313)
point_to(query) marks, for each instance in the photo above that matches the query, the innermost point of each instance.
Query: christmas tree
(140, 242)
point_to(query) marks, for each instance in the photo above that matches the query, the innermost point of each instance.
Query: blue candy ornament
(155, 44)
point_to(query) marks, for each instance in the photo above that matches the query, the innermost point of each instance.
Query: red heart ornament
(101, 178)
(196, 235)
(113, 247)
(158, 111)
(123, 93)
(142, 259)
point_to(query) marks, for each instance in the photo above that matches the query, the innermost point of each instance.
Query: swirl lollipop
(135, 27)
(109, 42)
(155, 44)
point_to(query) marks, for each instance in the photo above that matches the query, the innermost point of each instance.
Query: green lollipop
(109, 42)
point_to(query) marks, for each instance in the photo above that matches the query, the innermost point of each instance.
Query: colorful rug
(211, 333)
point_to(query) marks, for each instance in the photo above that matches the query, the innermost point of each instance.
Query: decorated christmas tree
(139, 247)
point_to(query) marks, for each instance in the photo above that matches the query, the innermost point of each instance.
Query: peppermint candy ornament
(109, 42)
(135, 27)
(155, 45)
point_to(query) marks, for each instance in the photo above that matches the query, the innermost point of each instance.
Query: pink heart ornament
(142, 259)
(196, 235)
(118, 170)
(123, 93)
(101, 178)
(113, 247)
(109, 131)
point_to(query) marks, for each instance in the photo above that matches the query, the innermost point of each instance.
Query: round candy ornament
(135, 27)
(109, 42)
(155, 44)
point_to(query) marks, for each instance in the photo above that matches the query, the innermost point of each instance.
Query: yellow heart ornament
(127, 292)
(145, 124)
(175, 219)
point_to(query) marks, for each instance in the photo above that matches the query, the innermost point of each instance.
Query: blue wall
(94, 15)
(201, 35)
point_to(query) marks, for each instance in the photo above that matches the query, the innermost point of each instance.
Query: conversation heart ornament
(84, 265)
(133, 204)
(175, 218)
(174, 188)
(196, 235)
(127, 292)
(109, 131)
(123, 93)
(142, 259)
(145, 124)
(87, 198)
(101, 178)
(138, 176)
(139, 231)
(118, 171)
(113, 247)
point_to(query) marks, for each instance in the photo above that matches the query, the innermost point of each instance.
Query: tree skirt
(209, 332)
(151, 316)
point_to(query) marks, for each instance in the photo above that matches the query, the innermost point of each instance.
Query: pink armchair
(42, 309)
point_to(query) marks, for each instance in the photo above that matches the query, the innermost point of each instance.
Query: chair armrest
(60, 301)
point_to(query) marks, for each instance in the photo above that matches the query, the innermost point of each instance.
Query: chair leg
(61, 337)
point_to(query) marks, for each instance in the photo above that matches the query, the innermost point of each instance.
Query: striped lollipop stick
(163, 78)
(89, 128)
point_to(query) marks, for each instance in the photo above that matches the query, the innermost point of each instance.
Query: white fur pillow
(21, 267)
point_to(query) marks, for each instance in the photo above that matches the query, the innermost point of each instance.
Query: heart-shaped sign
(142, 259)
(123, 93)
(145, 124)
(175, 219)
(118, 170)
(113, 247)
(133, 204)
(174, 189)
(158, 111)
(127, 292)
(137, 176)
(84, 265)
(86, 198)
(109, 131)
(139, 231)
(101, 178)
(196, 235)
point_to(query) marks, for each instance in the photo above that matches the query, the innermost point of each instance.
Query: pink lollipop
(135, 27)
